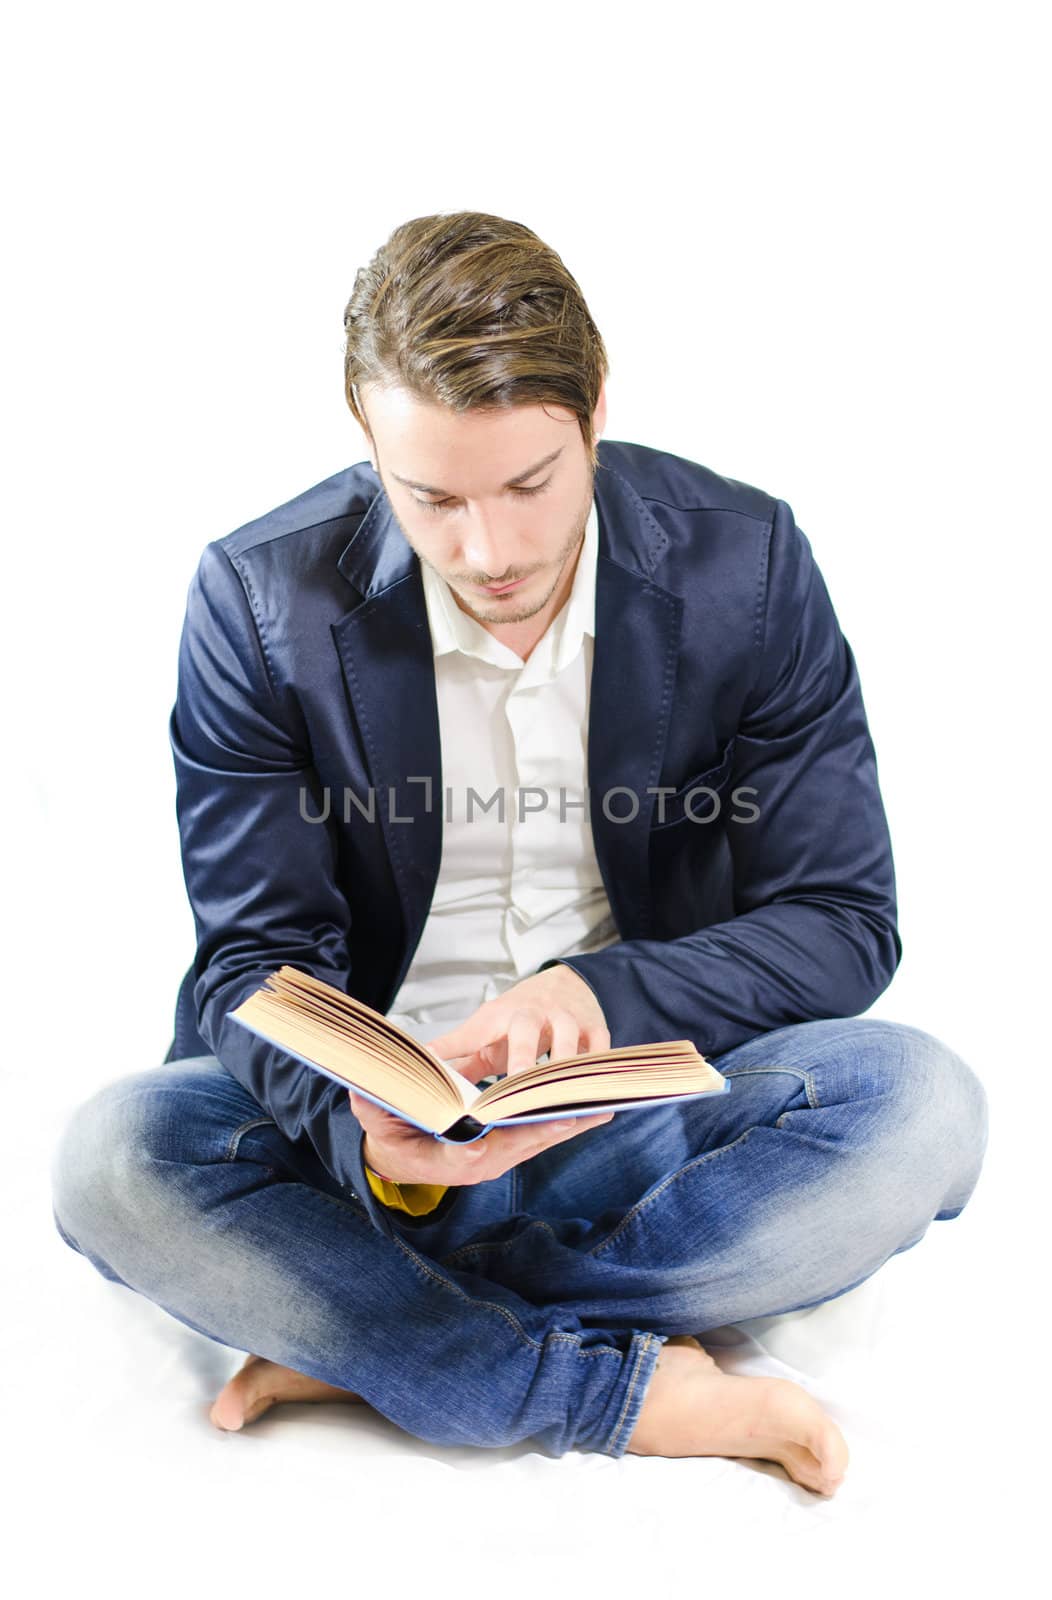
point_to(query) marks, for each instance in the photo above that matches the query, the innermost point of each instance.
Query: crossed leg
(680, 1223)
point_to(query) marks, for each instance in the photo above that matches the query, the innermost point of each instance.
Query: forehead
(429, 447)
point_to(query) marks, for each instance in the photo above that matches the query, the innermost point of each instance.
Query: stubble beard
(502, 612)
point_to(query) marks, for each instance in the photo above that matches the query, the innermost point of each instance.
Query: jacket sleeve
(814, 932)
(259, 875)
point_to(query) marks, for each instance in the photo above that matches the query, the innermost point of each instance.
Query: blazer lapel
(637, 640)
(385, 651)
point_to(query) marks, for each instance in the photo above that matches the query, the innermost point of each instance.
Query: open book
(354, 1045)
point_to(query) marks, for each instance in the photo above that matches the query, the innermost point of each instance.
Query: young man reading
(534, 744)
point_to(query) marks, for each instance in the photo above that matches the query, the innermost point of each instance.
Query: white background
(811, 236)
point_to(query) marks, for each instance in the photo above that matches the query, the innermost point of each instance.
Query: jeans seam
(490, 1305)
(630, 1216)
(755, 1072)
(806, 1076)
(350, 1203)
(643, 1348)
(504, 1244)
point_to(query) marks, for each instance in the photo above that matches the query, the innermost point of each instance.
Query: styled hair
(475, 313)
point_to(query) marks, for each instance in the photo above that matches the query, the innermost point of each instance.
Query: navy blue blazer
(306, 695)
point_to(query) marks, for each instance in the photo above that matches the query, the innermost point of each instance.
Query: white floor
(116, 1473)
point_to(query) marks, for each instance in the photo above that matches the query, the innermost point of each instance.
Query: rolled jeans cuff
(616, 1422)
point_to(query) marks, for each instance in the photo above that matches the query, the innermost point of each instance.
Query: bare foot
(691, 1408)
(261, 1384)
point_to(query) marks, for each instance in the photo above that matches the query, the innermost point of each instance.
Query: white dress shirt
(513, 890)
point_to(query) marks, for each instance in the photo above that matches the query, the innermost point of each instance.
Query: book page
(468, 1091)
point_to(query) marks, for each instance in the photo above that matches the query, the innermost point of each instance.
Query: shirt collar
(453, 629)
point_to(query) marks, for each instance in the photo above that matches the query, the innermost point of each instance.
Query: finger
(493, 1154)
(575, 1125)
(495, 1054)
(477, 1162)
(448, 1046)
(479, 1029)
(566, 1035)
(372, 1117)
(596, 1038)
(543, 1134)
(473, 1067)
(362, 1109)
(524, 1031)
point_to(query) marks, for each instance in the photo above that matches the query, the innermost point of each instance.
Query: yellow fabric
(416, 1198)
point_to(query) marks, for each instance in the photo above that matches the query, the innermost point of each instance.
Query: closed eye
(446, 505)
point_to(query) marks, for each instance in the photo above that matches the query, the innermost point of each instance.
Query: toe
(257, 1407)
(225, 1415)
(827, 1443)
(802, 1466)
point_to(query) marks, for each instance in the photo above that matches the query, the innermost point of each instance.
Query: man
(536, 745)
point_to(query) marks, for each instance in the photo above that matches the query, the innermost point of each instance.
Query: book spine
(464, 1131)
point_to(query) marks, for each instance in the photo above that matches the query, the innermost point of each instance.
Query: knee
(99, 1160)
(935, 1106)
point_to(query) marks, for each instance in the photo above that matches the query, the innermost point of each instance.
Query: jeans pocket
(250, 1142)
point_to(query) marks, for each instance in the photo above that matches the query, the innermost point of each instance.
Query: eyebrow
(520, 477)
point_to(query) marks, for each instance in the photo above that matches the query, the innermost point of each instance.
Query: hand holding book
(350, 1043)
(398, 1151)
(552, 1012)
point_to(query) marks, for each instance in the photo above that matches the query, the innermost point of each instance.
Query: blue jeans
(537, 1307)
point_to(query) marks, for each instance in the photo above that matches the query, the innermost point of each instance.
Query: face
(487, 498)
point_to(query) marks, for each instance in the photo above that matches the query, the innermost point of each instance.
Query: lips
(500, 588)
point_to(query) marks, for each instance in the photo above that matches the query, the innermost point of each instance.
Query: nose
(488, 553)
